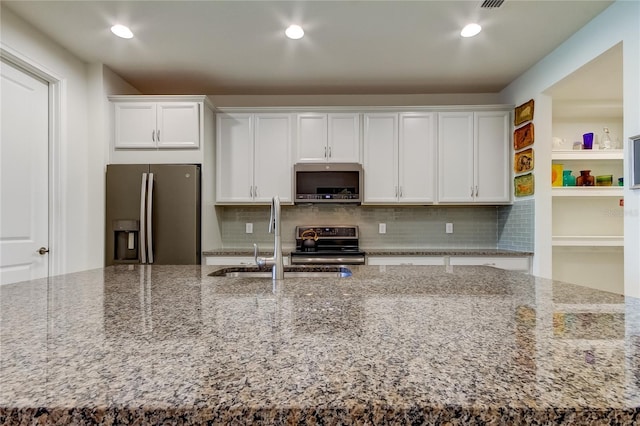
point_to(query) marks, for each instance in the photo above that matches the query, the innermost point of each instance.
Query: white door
(312, 138)
(272, 153)
(135, 124)
(417, 158)
(381, 158)
(24, 176)
(178, 125)
(456, 159)
(344, 138)
(493, 171)
(234, 167)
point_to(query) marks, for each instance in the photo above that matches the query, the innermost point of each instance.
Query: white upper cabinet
(399, 158)
(473, 153)
(253, 158)
(333, 137)
(493, 159)
(272, 157)
(380, 158)
(141, 125)
(417, 158)
(234, 168)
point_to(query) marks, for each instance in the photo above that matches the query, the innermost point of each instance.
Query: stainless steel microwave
(328, 183)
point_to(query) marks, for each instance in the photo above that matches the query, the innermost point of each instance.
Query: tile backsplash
(516, 226)
(407, 226)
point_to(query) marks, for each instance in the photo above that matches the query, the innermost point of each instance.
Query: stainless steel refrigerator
(153, 214)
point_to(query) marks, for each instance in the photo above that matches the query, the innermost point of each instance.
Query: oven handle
(309, 260)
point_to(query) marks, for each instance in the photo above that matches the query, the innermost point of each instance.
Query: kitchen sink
(289, 272)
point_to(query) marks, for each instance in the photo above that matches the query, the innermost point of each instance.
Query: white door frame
(57, 133)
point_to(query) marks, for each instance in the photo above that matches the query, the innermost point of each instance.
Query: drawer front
(405, 260)
(509, 263)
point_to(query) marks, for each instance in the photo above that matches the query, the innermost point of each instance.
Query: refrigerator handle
(150, 219)
(143, 198)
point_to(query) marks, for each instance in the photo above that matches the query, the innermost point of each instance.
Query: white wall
(102, 83)
(79, 228)
(618, 23)
(222, 101)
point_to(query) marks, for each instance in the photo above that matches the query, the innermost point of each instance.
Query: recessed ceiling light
(294, 32)
(122, 31)
(470, 30)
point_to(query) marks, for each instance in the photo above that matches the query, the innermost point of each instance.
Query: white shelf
(588, 154)
(587, 191)
(588, 241)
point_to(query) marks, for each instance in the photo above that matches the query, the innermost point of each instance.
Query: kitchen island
(388, 345)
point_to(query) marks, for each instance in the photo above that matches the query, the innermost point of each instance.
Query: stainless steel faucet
(277, 273)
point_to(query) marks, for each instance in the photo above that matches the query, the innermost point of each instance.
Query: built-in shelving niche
(587, 230)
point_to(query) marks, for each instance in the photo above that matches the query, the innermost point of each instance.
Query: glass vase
(568, 179)
(585, 178)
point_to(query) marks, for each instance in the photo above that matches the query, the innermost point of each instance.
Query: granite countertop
(445, 252)
(389, 252)
(388, 345)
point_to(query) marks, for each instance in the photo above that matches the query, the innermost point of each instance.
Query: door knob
(43, 251)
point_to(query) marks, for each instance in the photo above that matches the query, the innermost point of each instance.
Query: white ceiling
(350, 47)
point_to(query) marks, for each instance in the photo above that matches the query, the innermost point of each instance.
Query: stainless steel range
(318, 245)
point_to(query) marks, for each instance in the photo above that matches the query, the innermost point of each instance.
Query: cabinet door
(234, 160)
(381, 158)
(344, 138)
(135, 125)
(493, 168)
(273, 171)
(455, 157)
(178, 125)
(312, 138)
(417, 158)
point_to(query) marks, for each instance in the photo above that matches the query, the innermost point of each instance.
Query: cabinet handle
(476, 190)
(255, 191)
(401, 192)
(472, 191)
(325, 152)
(153, 135)
(158, 135)
(329, 152)
(251, 191)
(396, 190)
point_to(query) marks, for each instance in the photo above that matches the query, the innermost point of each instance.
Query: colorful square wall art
(523, 185)
(523, 161)
(523, 137)
(523, 113)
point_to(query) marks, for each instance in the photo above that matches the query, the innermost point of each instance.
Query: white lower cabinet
(503, 262)
(512, 263)
(253, 158)
(399, 158)
(406, 260)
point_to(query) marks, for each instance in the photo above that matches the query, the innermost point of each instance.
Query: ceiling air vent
(491, 4)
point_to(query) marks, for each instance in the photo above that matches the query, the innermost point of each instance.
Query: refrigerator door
(175, 214)
(123, 213)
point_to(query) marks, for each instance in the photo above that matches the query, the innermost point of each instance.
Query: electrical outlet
(382, 228)
(248, 228)
(448, 228)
